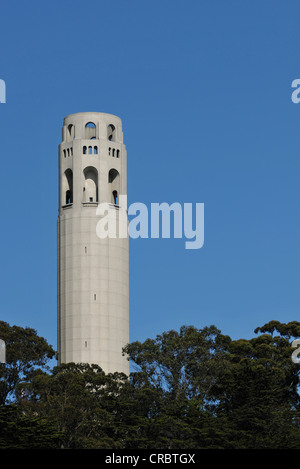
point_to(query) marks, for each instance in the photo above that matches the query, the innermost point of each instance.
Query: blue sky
(204, 92)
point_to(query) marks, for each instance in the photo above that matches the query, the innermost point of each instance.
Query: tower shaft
(93, 271)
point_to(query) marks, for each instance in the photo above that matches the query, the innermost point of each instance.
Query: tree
(19, 431)
(258, 393)
(220, 393)
(26, 354)
(179, 370)
(183, 363)
(191, 389)
(81, 401)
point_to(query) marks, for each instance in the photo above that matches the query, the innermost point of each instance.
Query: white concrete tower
(93, 272)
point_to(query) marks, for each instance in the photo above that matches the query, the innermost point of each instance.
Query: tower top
(82, 116)
(81, 125)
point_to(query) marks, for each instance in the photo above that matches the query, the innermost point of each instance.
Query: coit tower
(93, 266)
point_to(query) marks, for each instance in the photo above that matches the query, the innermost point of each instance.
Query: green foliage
(190, 389)
(26, 354)
(78, 399)
(19, 431)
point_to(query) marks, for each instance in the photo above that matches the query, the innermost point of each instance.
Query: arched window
(118, 153)
(68, 187)
(84, 150)
(90, 190)
(90, 130)
(95, 150)
(90, 150)
(64, 153)
(114, 185)
(71, 132)
(111, 132)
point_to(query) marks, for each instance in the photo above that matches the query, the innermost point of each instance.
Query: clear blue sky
(204, 92)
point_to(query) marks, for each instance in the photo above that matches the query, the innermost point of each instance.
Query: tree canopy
(26, 355)
(188, 389)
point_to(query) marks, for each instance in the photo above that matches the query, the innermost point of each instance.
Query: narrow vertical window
(68, 197)
(84, 150)
(115, 197)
